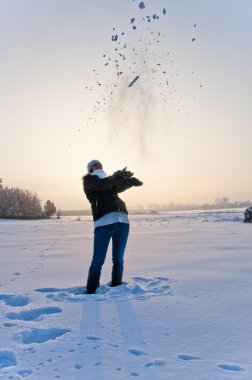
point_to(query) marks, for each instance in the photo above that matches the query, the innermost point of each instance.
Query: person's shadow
(90, 341)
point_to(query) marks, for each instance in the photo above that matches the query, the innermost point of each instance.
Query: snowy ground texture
(184, 312)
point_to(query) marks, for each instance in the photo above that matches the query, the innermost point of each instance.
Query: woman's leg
(102, 236)
(119, 241)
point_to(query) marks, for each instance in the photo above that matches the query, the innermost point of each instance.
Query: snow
(141, 5)
(133, 81)
(114, 38)
(141, 53)
(184, 311)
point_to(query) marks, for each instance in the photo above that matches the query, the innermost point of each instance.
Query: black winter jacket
(102, 194)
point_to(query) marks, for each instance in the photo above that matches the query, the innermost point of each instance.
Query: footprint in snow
(40, 335)
(24, 373)
(30, 350)
(14, 300)
(93, 337)
(188, 357)
(156, 363)
(7, 359)
(97, 364)
(231, 367)
(136, 352)
(34, 314)
(15, 276)
(6, 324)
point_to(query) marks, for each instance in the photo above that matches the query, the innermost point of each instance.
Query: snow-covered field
(185, 311)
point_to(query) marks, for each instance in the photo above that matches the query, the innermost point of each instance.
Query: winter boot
(117, 274)
(92, 282)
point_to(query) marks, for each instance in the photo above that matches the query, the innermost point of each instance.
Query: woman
(110, 219)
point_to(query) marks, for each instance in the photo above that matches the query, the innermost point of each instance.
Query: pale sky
(184, 127)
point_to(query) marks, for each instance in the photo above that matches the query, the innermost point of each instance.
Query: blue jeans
(119, 233)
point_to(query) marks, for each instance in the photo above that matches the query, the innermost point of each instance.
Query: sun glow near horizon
(184, 127)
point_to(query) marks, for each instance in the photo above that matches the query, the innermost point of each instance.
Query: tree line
(219, 203)
(16, 203)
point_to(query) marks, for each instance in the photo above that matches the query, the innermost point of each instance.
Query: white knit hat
(91, 163)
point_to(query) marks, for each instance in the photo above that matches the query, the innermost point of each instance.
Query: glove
(121, 174)
(134, 181)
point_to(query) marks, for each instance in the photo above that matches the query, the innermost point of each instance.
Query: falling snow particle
(134, 80)
(193, 39)
(141, 5)
(114, 38)
(132, 20)
(164, 11)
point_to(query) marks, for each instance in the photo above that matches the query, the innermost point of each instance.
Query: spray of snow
(140, 71)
